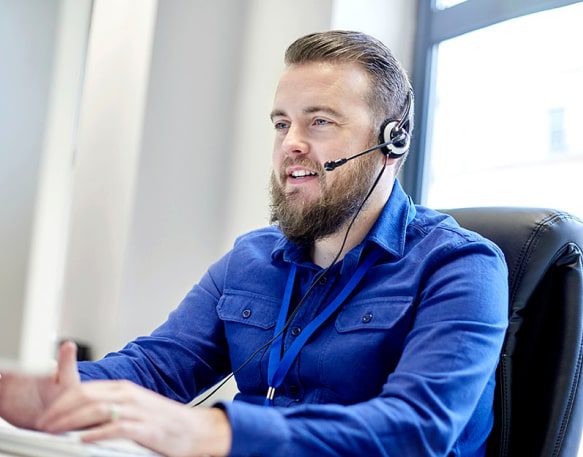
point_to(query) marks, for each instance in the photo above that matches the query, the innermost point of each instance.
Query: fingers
(97, 395)
(120, 409)
(67, 373)
(141, 433)
(86, 416)
(156, 437)
(120, 429)
(92, 415)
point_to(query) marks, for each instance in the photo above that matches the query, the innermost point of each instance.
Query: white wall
(106, 164)
(178, 216)
(27, 47)
(391, 21)
(49, 239)
(42, 44)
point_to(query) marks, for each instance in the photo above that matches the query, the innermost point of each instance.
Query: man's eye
(321, 122)
(280, 125)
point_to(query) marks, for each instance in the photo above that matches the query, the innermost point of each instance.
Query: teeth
(302, 173)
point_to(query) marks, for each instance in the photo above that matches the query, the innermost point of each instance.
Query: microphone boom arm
(329, 166)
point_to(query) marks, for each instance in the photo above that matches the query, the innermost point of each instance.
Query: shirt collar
(390, 229)
(287, 250)
(388, 232)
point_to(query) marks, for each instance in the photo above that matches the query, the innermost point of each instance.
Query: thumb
(67, 373)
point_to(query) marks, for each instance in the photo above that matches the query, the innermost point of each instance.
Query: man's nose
(295, 141)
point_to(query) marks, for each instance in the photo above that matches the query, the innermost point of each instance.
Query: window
(501, 109)
(557, 133)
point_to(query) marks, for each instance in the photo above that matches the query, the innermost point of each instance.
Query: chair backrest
(539, 399)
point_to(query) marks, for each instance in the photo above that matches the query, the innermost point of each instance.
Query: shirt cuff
(257, 430)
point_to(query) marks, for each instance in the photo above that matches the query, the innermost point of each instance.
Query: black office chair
(539, 399)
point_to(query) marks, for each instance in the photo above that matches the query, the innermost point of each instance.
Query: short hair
(389, 84)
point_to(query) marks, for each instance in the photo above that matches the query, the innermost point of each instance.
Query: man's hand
(23, 398)
(120, 409)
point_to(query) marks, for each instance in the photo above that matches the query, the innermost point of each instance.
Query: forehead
(341, 86)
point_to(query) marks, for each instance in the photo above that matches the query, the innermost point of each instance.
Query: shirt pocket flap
(248, 308)
(375, 313)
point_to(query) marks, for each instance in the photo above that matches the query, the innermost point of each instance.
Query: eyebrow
(310, 110)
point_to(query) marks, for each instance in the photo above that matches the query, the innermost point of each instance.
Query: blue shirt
(405, 368)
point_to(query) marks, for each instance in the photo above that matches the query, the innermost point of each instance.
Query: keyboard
(30, 443)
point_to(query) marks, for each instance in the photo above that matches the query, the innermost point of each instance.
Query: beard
(304, 222)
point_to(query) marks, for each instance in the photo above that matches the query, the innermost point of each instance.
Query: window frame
(433, 27)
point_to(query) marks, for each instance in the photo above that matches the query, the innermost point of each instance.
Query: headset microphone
(394, 138)
(399, 139)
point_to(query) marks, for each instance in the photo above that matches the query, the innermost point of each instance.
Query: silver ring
(114, 412)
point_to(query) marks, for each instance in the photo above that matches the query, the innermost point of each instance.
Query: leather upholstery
(539, 403)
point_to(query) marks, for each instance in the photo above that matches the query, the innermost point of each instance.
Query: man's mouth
(302, 174)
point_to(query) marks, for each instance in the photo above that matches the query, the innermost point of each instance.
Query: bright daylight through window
(508, 115)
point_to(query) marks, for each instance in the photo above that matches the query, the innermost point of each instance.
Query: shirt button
(296, 331)
(323, 280)
(246, 313)
(367, 318)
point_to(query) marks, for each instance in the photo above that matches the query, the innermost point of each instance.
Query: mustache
(301, 162)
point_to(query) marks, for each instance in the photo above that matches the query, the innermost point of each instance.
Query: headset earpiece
(395, 132)
(390, 131)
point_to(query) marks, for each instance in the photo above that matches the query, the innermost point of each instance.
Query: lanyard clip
(270, 394)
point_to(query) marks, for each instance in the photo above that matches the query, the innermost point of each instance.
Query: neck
(325, 250)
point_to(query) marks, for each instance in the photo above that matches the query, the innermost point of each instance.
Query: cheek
(341, 146)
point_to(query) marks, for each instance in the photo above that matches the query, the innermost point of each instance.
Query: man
(361, 324)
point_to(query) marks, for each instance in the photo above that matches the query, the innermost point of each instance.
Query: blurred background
(135, 143)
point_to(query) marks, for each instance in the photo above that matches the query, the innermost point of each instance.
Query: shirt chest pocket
(249, 321)
(249, 309)
(368, 337)
(373, 314)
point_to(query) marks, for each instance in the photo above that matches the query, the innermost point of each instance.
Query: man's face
(320, 114)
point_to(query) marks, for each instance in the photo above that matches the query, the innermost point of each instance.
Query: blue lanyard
(279, 367)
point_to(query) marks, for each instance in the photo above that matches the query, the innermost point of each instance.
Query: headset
(394, 137)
